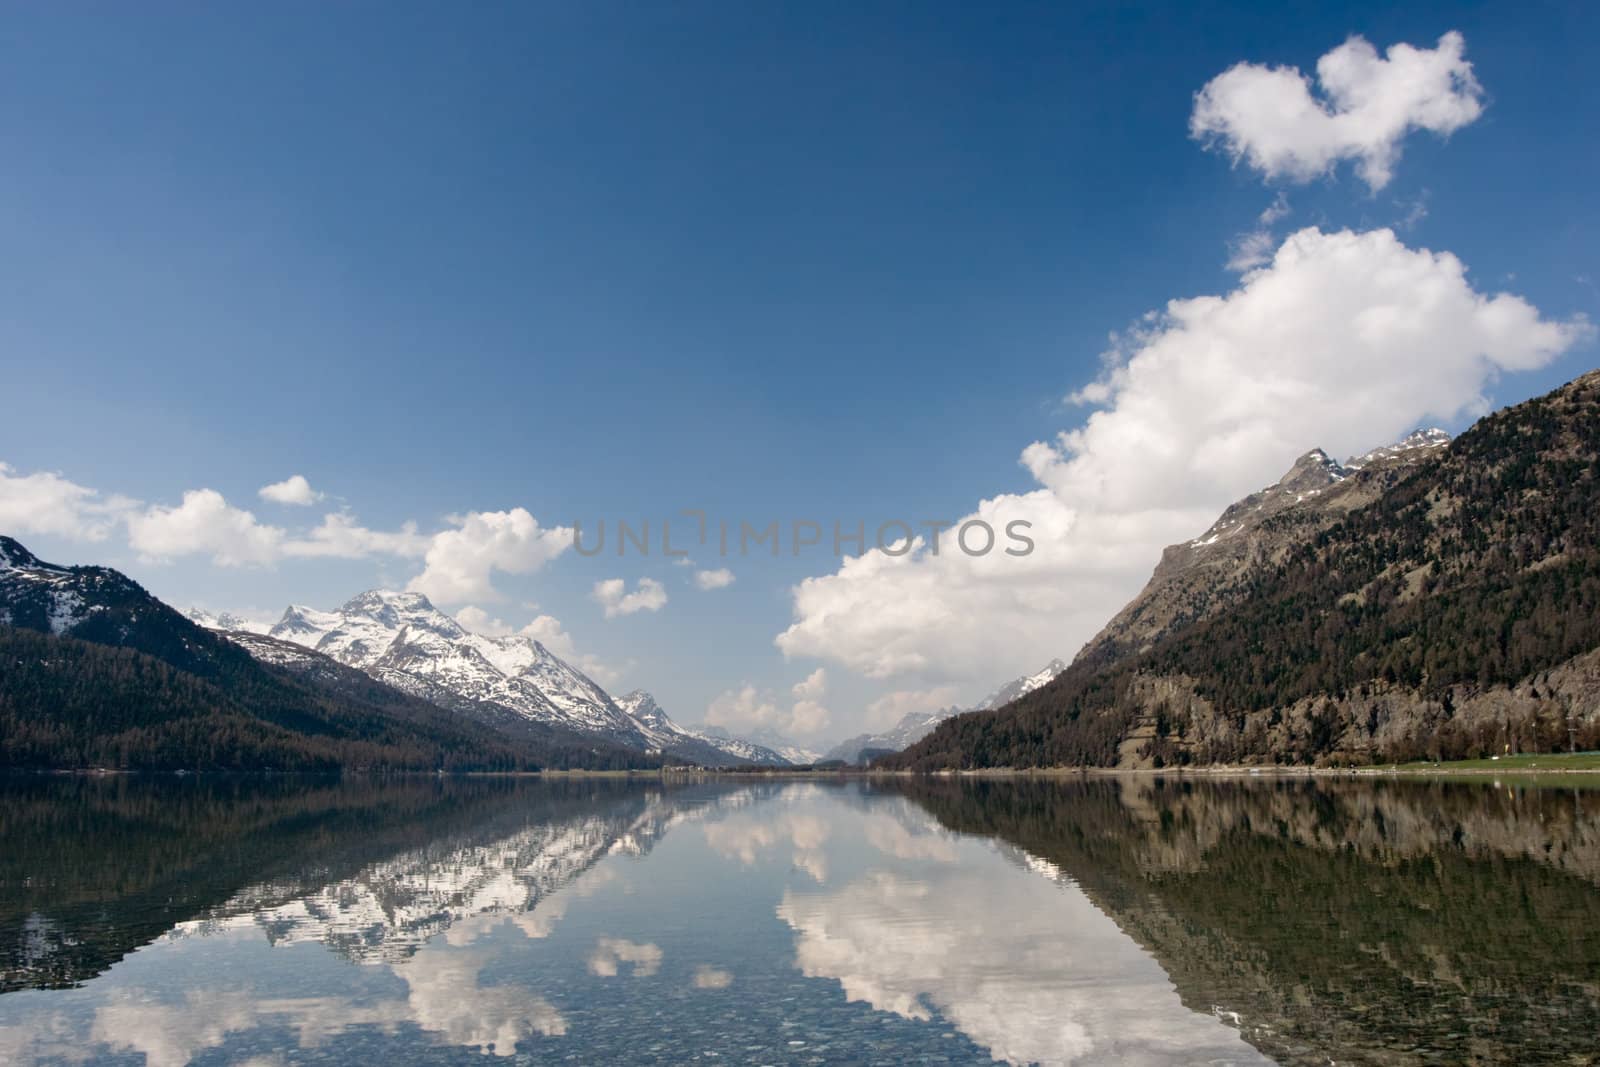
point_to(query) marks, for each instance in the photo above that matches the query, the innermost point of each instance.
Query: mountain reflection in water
(1136, 920)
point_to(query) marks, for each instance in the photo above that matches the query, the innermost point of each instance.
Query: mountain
(1196, 579)
(403, 640)
(1020, 687)
(96, 672)
(510, 682)
(916, 725)
(706, 748)
(766, 738)
(226, 621)
(1425, 601)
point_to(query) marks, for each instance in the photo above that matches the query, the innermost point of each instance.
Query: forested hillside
(1457, 614)
(95, 672)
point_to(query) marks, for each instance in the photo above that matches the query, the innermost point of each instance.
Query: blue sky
(599, 261)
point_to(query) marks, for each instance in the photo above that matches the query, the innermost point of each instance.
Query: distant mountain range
(96, 672)
(714, 746)
(402, 640)
(916, 725)
(1431, 599)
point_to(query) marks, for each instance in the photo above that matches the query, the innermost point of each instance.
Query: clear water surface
(279, 921)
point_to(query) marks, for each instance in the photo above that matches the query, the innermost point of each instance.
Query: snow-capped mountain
(1430, 438)
(227, 620)
(1019, 687)
(671, 737)
(403, 640)
(99, 605)
(918, 724)
(43, 592)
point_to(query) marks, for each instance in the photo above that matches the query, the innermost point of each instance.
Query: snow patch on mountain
(402, 639)
(668, 735)
(226, 620)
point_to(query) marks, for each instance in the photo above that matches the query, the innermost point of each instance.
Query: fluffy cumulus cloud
(339, 536)
(749, 709)
(48, 504)
(293, 490)
(1276, 121)
(896, 705)
(1025, 967)
(1344, 341)
(459, 563)
(204, 524)
(610, 953)
(613, 597)
(720, 578)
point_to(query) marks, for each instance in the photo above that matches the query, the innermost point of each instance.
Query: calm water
(170, 922)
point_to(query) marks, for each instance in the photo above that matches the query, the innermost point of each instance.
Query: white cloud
(479, 621)
(47, 504)
(339, 536)
(293, 490)
(613, 596)
(808, 718)
(459, 563)
(744, 709)
(1343, 341)
(748, 709)
(709, 977)
(610, 952)
(894, 706)
(1251, 250)
(1025, 967)
(1276, 211)
(720, 578)
(814, 685)
(1269, 117)
(204, 524)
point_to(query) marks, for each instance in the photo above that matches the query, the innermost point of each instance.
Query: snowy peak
(1021, 687)
(393, 610)
(226, 620)
(14, 557)
(642, 707)
(1430, 438)
(700, 745)
(1314, 470)
(1312, 478)
(400, 638)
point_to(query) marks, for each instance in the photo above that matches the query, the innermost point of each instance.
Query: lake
(272, 921)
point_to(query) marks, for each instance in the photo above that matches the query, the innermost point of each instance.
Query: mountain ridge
(96, 672)
(1434, 602)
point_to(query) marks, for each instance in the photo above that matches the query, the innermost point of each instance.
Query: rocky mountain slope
(916, 725)
(96, 672)
(1429, 601)
(1198, 578)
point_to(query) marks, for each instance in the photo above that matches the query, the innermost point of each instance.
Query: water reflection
(1138, 920)
(1344, 920)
